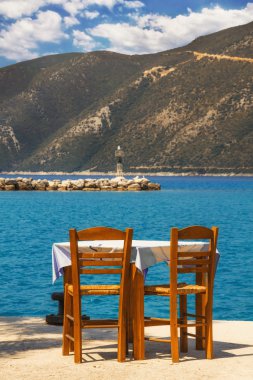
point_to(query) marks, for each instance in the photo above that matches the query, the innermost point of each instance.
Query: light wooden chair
(202, 264)
(96, 263)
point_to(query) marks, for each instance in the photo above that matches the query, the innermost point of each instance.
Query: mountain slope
(185, 109)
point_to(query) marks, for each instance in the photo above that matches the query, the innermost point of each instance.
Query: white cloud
(102, 3)
(83, 40)
(152, 33)
(19, 8)
(197, 23)
(70, 21)
(125, 38)
(75, 7)
(21, 39)
(133, 4)
(91, 14)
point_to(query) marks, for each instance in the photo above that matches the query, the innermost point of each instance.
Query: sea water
(32, 221)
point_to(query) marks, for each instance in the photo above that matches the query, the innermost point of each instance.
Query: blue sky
(33, 28)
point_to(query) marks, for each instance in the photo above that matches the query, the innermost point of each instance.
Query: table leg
(67, 276)
(137, 290)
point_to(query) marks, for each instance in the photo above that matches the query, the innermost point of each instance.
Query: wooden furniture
(87, 262)
(201, 263)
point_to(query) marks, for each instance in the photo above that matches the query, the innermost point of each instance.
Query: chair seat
(182, 288)
(96, 289)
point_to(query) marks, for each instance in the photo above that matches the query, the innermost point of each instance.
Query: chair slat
(100, 255)
(154, 339)
(95, 322)
(101, 233)
(193, 262)
(99, 326)
(100, 271)
(195, 336)
(70, 337)
(194, 254)
(193, 270)
(101, 263)
(192, 324)
(195, 315)
(195, 233)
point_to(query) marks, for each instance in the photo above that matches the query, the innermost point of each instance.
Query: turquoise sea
(31, 221)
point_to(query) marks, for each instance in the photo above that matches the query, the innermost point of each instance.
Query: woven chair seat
(97, 289)
(182, 288)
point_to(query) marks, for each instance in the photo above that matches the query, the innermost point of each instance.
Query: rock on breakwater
(101, 184)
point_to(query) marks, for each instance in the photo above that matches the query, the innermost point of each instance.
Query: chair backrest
(88, 261)
(199, 259)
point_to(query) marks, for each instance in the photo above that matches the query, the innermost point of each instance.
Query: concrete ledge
(31, 349)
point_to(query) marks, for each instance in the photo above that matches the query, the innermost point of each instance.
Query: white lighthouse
(119, 154)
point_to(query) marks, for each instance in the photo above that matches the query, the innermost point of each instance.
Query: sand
(30, 349)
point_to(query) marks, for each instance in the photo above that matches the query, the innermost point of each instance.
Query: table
(145, 253)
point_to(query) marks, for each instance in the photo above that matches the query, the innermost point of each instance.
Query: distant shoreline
(134, 174)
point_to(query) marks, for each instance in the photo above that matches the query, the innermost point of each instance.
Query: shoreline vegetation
(134, 174)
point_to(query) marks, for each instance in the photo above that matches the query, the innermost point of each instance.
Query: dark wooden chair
(202, 264)
(96, 263)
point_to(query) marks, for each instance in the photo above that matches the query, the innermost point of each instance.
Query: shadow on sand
(25, 334)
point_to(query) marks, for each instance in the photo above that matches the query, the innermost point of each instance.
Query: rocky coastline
(101, 184)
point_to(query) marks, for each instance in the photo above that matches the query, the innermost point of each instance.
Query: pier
(101, 184)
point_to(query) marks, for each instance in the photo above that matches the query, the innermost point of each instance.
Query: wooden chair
(202, 264)
(96, 263)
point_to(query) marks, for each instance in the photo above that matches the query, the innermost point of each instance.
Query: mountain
(186, 109)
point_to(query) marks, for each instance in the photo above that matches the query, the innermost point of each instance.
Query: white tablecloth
(145, 253)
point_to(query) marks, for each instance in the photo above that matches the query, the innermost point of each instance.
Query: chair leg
(127, 339)
(122, 342)
(209, 332)
(173, 330)
(183, 320)
(77, 331)
(66, 323)
(200, 330)
(71, 329)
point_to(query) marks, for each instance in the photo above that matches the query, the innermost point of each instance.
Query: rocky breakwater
(101, 184)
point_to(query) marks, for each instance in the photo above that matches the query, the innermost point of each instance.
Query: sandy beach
(31, 349)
